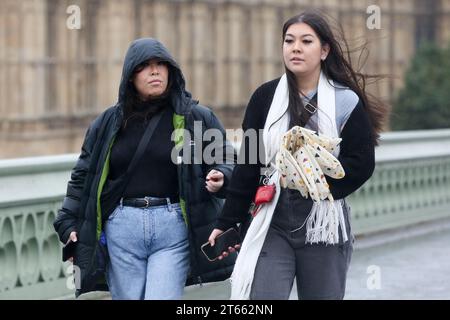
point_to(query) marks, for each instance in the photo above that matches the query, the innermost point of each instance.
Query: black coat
(81, 210)
(357, 157)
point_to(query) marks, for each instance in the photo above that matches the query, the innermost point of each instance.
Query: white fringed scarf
(325, 216)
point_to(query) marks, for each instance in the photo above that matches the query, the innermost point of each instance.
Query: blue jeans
(149, 252)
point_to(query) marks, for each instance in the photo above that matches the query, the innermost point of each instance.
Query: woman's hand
(72, 238)
(212, 240)
(214, 181)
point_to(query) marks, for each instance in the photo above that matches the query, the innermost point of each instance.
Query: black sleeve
(357, 154)
(68, 215)
(228, 156)
(245, 177)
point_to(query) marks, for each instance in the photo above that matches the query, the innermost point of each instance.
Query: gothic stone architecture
(54, 79)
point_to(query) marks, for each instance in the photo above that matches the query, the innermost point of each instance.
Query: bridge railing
(411, 184)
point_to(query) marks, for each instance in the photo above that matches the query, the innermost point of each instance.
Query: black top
(79, 211)
(155, 174)
(357, 157)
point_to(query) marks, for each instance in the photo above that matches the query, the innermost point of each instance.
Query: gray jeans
(320, 270)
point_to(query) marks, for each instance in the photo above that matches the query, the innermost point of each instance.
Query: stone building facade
(54, 80)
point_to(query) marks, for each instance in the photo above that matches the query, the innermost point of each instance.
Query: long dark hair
(337, 67)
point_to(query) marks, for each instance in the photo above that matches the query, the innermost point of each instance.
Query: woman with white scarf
(304, 232)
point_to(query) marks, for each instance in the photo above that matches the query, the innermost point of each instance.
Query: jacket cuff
(223, 225)
(222, 193)
(65, 236)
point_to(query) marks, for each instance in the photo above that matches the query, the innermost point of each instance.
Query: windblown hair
(337, 67)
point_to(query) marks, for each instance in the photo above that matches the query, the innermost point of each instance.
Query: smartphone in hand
(229, 238)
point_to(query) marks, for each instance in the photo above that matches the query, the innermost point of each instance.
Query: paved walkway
(417, 267)
(411, 263)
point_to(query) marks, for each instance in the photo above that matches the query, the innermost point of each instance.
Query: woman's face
(151, 78)
(302, 50)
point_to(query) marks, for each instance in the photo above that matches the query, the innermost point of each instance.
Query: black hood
(144, 49)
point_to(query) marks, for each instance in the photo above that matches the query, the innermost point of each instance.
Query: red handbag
(264, 194)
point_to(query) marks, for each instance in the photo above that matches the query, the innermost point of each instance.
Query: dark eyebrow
(304, 35)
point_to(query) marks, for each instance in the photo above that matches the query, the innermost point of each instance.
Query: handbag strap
(153, 123)
(268, 170)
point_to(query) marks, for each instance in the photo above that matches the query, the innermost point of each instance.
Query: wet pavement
(416, 267)
(412, 263)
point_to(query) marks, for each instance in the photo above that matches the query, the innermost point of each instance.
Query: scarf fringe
(324, 221)
(320, 220)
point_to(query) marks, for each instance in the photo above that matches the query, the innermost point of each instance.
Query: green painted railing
(411, 184)
(31, 191)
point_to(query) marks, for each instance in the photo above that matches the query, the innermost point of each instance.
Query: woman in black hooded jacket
(155, 218)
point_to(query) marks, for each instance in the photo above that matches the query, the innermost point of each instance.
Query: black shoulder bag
(97, 270)
(111, 198)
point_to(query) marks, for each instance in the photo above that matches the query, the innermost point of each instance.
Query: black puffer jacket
(81, 210)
